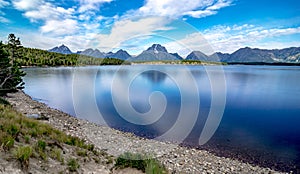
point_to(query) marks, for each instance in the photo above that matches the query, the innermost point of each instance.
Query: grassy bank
(23, 139)
(30, 143)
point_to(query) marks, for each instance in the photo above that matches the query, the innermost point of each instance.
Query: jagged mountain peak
(197, 55)
(121, 51)
(63, 49)
(156, 53)
(94, 53)
(157, 48)
(120, 54)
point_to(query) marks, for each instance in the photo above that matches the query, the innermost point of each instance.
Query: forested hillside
(37, 57)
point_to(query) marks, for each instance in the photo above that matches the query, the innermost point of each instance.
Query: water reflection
(154, 76)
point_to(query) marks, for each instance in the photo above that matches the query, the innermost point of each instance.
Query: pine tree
(10, 72)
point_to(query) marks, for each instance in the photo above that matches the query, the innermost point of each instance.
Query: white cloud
(41, 10)
(46, 41)
(56, 20)
(219, 4)
(171, 9)
(210, 10)
(155, 10)
(86, 5)
(178, 8)
(200, 13)
(60, 27)
(121, 32)
(59, 21)
(80, 26)
(3, 19)
(48, 11)
(26, 4)
(127, 29)
(229, 39)
(192, 42)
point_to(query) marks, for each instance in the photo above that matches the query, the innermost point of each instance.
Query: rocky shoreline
(177, 159)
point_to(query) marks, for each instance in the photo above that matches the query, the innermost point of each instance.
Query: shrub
(13, 129)
(154, 167)
(23, 153)
(56, 154)
(90, 147)
(41, 145)
(82, 153)
(7, 142)
(40, 148)
(140, 162)
(131, 160)
(27, 139)
(73, 165)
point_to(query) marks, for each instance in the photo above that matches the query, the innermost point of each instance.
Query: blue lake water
(259, 106)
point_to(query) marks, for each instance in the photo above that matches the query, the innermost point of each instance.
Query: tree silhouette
(10, 72)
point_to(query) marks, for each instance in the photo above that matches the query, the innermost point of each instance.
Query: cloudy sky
(180, 25)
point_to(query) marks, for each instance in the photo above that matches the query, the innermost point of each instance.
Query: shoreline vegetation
(86, 147)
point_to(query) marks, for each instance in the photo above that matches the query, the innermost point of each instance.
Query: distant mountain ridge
(121, 54)
(61, 49)
(197, 55)
(248, 55)
(158, 52)
(93, 53)
(291, 55)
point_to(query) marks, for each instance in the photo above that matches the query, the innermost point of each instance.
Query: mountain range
(158, 52)
(61, 49)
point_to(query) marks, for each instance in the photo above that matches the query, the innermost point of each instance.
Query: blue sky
(180, 25)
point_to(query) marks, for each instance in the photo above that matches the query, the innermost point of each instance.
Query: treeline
(87, 60)
(265, 63)
(37, 57)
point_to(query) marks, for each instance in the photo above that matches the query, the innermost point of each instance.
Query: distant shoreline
(264, 63)
(195, 63)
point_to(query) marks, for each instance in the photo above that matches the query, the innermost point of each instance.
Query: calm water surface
(260, 124)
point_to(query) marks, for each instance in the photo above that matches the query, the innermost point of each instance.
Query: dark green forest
(37, 57)
(13, 56)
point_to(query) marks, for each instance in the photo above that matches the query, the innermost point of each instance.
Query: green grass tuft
(140, 162)
(7, 142)
(27, 139)
(82, 153)
(41, 139)
(73, 165)
(23, 153)
(41, 145)
(56, 154)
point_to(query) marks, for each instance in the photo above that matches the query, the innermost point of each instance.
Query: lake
(251, 113)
